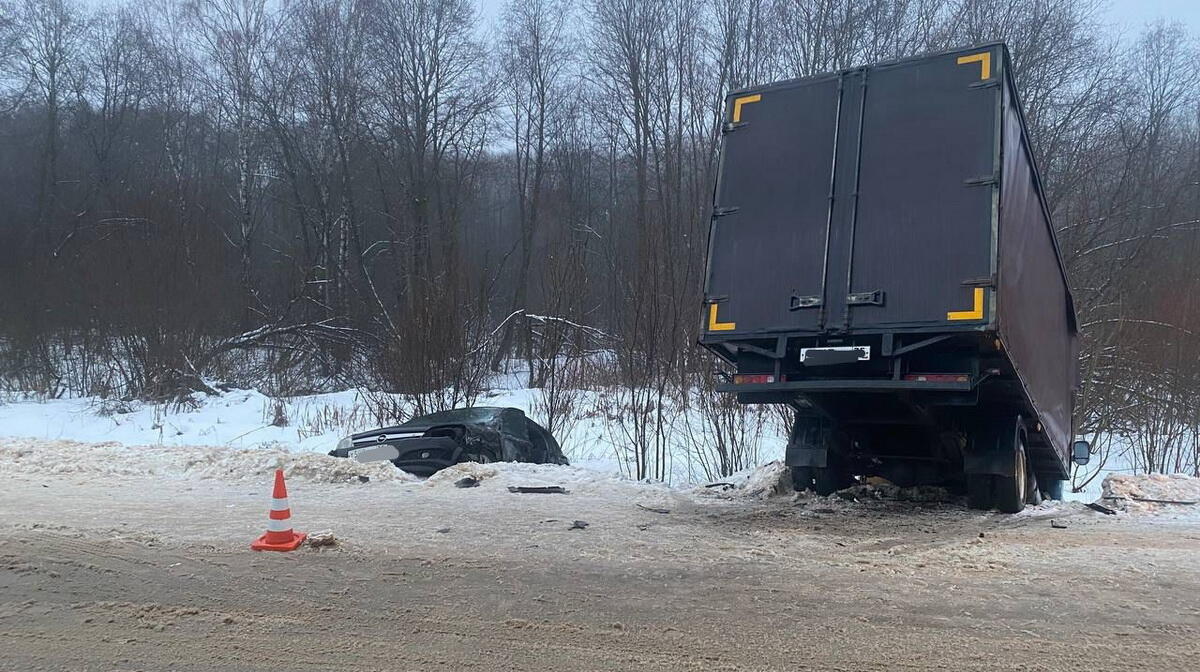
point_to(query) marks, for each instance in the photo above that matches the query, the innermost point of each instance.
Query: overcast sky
(1135, 13)
(1131, 14)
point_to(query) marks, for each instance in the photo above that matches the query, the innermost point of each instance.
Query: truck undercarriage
(913, 408)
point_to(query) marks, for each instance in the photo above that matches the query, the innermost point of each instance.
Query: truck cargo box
(901, 200)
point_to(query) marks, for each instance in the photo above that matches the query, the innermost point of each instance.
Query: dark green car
(427, 444)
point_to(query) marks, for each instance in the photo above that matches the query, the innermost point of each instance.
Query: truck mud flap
(991, 446)
(808, 445)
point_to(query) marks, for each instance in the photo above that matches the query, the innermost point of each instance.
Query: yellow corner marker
(738, 102)
(984, 59)
(714, 325)
(975, 313)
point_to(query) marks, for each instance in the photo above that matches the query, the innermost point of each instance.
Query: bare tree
(236, 38)
(535, 56)
(48, 36)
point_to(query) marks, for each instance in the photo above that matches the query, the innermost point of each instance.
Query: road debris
(322, 539)
(578, 525)
(883, 490)
(653, 509)
(467, 482)
(539, 489)
(1058, 525)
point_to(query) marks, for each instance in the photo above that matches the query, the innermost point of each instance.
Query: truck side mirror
(1081, 452)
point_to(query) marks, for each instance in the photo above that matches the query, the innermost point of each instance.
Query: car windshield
(458, 415)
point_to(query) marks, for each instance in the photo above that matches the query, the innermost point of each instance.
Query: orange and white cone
(279, 535)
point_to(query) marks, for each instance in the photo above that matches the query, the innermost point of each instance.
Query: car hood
(388, 433)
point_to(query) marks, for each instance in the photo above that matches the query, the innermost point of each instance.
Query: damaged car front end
(427, 444)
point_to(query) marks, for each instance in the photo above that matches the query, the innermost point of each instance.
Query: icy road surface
(118, 558)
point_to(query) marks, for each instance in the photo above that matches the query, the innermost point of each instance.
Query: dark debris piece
(1058, 525)
(364, 479)
(1184, 502)
(578, 525)
(538, 489)
(467, 482)
(653, 509)
(1102, 509)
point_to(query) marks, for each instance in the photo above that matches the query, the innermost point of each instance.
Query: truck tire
(979, 491)
(1012, 491)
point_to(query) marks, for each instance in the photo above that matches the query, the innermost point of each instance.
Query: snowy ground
(311, 423)
(314, 423)
(136, 558)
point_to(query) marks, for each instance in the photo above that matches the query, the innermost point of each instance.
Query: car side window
(513, 423)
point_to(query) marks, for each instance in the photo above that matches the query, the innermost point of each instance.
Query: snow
(240, 418)
(501, 475)
(247, 432)
(1127, 492)
(91, 460)
(314, 424)
(772, 478)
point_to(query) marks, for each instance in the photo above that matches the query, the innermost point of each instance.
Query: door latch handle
(874, 298)
(801, 302)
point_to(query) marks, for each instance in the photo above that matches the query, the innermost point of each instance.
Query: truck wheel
(979, 491)
(1012, 491)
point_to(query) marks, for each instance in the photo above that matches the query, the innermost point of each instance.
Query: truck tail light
(938, 377)
(752, 378)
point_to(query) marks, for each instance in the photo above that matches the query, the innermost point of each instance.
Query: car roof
(468, 415)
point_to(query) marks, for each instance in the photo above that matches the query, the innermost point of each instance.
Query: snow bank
(239, 418)
(34, 457)
(315, 423)
(1130, 493)
(576, 480)
(772, 478)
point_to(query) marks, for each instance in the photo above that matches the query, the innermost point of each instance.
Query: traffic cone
(279, 535)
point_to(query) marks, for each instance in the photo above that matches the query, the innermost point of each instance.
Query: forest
(413, 195)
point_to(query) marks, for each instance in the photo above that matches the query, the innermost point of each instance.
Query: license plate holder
(841, 354)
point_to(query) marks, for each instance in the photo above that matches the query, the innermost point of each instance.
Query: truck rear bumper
(850, 385)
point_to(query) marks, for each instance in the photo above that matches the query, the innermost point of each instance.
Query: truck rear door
(863, 200)
(922, 235)
(771, 209)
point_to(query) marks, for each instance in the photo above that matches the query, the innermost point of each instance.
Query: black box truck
(881, 258)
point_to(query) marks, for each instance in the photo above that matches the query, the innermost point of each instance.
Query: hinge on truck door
(980, 181)
(732, 126)
(874, 298)
(985, 84)
(721, 212)
(799, 302)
